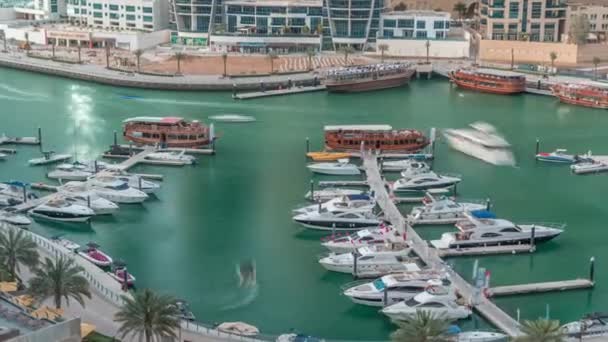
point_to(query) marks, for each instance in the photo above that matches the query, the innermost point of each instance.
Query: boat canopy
(171, 120)
(483, 214)
(359, 197)
(359, 128)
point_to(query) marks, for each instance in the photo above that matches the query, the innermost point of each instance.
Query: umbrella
(8, 286)
(86, 329)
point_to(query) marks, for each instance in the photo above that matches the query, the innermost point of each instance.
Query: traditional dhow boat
(374, 137)
(368, 77)
(489, 80)
(167, 132)
(587, 95)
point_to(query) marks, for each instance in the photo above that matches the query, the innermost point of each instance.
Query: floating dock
(204, 151)
(278, 92)
(140, 158)
(19, 141)
(562, 285)
(489, 250)
(325, 184)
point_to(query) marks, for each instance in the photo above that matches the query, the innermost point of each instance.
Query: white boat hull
(95, 261)
(495, 157)
(80, 219)
(120, 199)
(336, 172)
(69, 176)
(53, 159)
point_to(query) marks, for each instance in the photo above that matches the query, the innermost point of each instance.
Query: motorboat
(405, 164)
(3, 156)
(329, 193)
(480, 336)
(79, 193)
(338, 220)
(342, 203)
(58, 209)
(49, 158)
(134, 181)
(238, 328)
(9, 201)
(438, 300)
(233, 118)
(393, 288)
(298, 338)
(70, 172)
(443, 211)
(417, 168)
(96, 256)
(67, 244)
(115, 190)
(119, 275)
(481, 141)
(557, 156)
(178, 157)
(591, 325)
(327, 156)
(425, 181)
(365, 237)
(14, 218)
(342, 167)
(372, 261)
(15, 190)
(184, 310)
(492, 232)
(592, 166)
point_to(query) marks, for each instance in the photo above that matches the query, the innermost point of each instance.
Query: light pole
(428, 45)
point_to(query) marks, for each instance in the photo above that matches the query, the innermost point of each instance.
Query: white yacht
(591, 166)
(440, 301)
(14, 190)
(14, 218)
(180, 157)
(491, 232)
(338, 220)
(342, 203)
(481, 336)
(67, 244)
(79, 193)
(405, 164)
(342, 167)
(372, 261)
(425, 181)
(234, 118)
(592, 325)
(481, 141)
(329, 193)
(365, 237)
(443, 211)
(3, 156)
(8, 201)
(58, 209)
(393, 288)
(134, 181)
(70, 172)
(116, 190)
(49, 158)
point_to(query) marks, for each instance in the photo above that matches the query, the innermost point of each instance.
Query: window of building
(261, 25)
(113, 7)
(247, 20)
(388, 33)
(83, 11)
(593, 17)
(420, 24)
(248, 9)
(315, 11)
(358, 28)
(278, 22)
(513, 9)
(341, 27)
(130, 25)
(536, 9)
(97, 22)
(83, 2)
(130, 17)
(149, 19)
(406, 23)
(234, 9)
(147, 9)
(297, 21)
(202, 24)
(113, 15)
(150, 27)
(389, 23)
(439, 24)
(420, 34)
(130, 8)
(439, 34)
(592, 27)
(297, 9)
(97, 15)
(114, 23)
(512, 28)
(262, 10)
(498, 27)
(535, 27)
(96, 6)
(76, 11)
(408, 33)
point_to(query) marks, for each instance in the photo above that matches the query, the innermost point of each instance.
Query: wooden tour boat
(489, 81)
(167, 132)
(375, 137)
(327, 156)
(588, 95)
(368, 77)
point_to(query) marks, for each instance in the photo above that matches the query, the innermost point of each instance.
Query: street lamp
(428, 45)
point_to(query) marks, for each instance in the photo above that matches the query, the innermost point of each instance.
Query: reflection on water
(83, 126)
(247, 288)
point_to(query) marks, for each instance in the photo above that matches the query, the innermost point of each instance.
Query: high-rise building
(353, 22)
(533, 20)
(191, 21)
(146, 15)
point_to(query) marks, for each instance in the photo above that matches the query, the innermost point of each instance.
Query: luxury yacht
(591, 166)
(79, 193)
(439, 300)
(393, 288)
(425, 181)
(371, 261)
(134, 181)
(342, 203)
(180, 157)
(14, 218)
(592, 325)
(443, 211)
(482, 142)
(329, 193)
(491, 232)
(362, 238)
(116, 190)
(480, 336)
(342, 167)
(404, 165)
(61, 210)
(338, 220)
(70, 172)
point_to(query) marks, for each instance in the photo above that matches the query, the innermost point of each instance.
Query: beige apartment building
(530, 20)
(594, 10)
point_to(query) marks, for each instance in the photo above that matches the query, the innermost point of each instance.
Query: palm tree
(138, 54)
(148, 314)
(272, 55)
(178, 57)
(310, 52)
(16, 248)
(57, 279)
(541, 330)
(461, 9)
(383, 48)
(346, 50)
(553, 57)
(225, 60)
(424, 327)
(596, 62)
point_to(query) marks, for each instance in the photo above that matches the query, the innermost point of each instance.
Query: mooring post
(518, 315)
(355, 265)
(488, 204)
(312, 190)
(537, 145)
(532, 235)
(96, 166)
(24, 194)
(40, 138)
(547, 312)
(455, 189)
(139, 182)
(115, 139)
(89, 201)
(385, 297)
(233, 90)
(333, 225)
(307, 145)
(592, 269)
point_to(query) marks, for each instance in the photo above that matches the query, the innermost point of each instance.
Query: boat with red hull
(167, 132)
(587, 95)
(368, 77)
(376, 137)
(489, 81)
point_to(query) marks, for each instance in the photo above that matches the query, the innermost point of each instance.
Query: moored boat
(119, 274)
(582, 94)
(96, 256)
(368, 77)
(489, 80)
(49, 158)
(375, 137)
(167, 132)
(67, 244)
(179, 157)
(342, 167)
(327, 156)
(329, 193)
(591, 166)
(557, 156)
(234, 118)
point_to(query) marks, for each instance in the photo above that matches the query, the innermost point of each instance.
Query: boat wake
(24, 93)
(19, 99)
(241, 298)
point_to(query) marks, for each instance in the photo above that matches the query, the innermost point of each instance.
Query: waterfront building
(415, 25)
(532, 20)
(146, 15)
(191, 21)
(596, 11)
(42, 10)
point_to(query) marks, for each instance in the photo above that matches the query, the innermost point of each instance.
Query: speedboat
(134, 181)
(371, 261)
(119, 274)
(557, 156)
(49, 158)
(425, 181)
(78, 193)
(61, 210)
(67, 244)
(14, 218)
(442, 211)
(591, 325)
(404, 164)
(342, 167)
(180, 157)
(417, 168)
(116, 190)
(238, 328)
(392, 288)
(365, 237)
(338, 220)
(492, 232)
(481, 141)
(329, 193)
(16, 190)
(438, 300)
(343, 203)
(96, 256)
(592, 166)
(480, 336)
(232, 118)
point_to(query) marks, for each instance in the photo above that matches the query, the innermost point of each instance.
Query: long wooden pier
(563, 285)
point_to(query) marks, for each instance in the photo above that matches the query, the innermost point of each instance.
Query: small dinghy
(94, 255)
(233, 118)
(172, 156)
(588, 167)
(557, 156)
(120, 274)
(342, 167)
(238, 328)
(69, 245)
(49, 158)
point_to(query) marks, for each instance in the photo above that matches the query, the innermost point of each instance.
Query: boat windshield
(379, 284)
(412, 302)
(121, 186)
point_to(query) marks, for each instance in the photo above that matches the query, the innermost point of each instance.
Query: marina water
(235, 206)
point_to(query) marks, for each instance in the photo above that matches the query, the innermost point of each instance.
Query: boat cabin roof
(169, 120)
(359, 128)
(496, 72)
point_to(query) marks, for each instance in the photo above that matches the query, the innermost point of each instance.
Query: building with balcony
(415, 25)
(191, 21)
(353, 23)
(146, 15)
(530, 20)
(596, 11)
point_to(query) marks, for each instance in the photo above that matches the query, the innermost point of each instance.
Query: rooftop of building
(602, 3)
(279, 3)
(419, 13)
(48, 25)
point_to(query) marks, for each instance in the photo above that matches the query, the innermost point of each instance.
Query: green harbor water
(236, 205)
